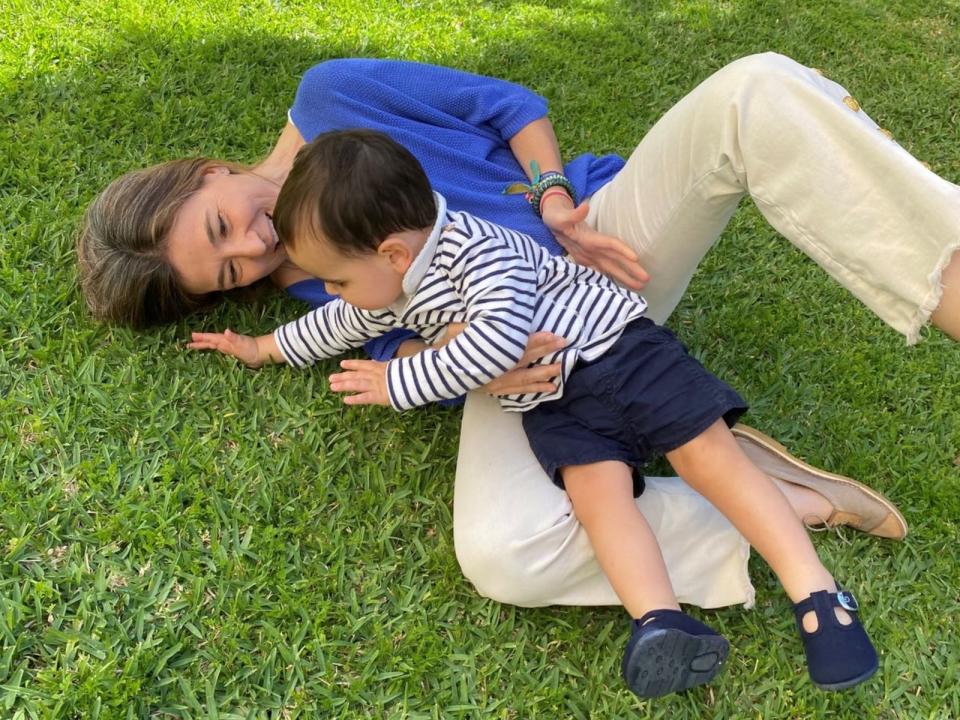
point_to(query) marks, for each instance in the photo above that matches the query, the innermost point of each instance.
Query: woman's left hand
(524, 377)
(366, 378)
(586, 246)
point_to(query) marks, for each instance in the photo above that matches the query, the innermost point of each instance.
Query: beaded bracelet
(552, 191)
(539, 185)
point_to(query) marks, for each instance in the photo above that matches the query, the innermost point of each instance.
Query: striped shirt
(499, 282)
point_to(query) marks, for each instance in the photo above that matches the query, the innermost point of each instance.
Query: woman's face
(223, 236)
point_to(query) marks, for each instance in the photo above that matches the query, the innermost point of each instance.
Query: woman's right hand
(243, 347)
(587, 247)
(522, 379)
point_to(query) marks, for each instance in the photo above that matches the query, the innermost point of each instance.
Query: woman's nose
(251, 245)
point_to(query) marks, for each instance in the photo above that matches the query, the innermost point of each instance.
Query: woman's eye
(223, 226)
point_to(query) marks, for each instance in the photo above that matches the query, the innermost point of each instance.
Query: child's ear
(397, 252)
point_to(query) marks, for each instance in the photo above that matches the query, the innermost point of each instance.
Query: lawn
(180, 537)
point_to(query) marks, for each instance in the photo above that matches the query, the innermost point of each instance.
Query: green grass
(183, 538)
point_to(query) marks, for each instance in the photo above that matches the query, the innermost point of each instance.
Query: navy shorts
(644, 397)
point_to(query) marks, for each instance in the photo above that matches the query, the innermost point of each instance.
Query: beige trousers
(827, 178)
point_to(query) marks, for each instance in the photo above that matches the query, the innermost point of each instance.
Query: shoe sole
(770, 445)
(846, 684)
(670, 660)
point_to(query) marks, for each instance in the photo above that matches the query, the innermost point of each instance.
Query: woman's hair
(353, 188)
(125, 275)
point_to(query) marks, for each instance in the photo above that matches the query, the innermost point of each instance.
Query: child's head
(348, 210)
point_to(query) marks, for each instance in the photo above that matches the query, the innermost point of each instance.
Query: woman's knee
(495, 567)
(762, 76)
(761, 67)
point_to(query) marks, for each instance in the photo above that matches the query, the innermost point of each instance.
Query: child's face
(371, 281)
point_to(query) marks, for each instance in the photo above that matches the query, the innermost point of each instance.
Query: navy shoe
(838, 656)
(669, 652)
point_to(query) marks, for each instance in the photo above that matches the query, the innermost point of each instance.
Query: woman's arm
(604, 253)
(525, 377)
(289, 274)
(393, 94)
(276, 166)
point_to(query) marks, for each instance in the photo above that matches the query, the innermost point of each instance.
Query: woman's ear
(397, 251)
(217, 170)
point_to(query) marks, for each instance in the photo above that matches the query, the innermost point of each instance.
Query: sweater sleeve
(343, 93)
(328, 331)
(499, 291)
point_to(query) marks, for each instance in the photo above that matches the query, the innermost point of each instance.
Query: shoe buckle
(847, 601)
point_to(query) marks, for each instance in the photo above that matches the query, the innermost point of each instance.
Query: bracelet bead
(539, 185)
(553, 191)
(556, 180)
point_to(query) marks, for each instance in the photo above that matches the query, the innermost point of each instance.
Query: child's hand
(243, 347)
(366, 378)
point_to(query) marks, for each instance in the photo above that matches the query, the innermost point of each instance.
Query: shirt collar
(421, 263)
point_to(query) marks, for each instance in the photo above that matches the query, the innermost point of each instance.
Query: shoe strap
(822, 604)
(675, 619)
(659, 615)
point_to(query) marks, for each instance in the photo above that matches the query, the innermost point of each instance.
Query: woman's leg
(821, 172)
(947, 315)
(518, 540)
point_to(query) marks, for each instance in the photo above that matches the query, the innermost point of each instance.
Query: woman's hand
(251, 351)
(587, 247)
(366, 378)
(522, 379)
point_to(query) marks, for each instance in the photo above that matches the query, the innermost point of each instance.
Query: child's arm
(254, 352)
(326, 332)
(368, 378)
(498, 288)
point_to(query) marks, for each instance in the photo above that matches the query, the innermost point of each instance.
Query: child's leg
(668, 651)
(839, 653)
(715, 466)
(624, 544)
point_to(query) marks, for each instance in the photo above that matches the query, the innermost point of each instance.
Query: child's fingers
(218, 343)
(349, 382)
(366, 398)
(205, 336)
(204, 345)
(358, 364)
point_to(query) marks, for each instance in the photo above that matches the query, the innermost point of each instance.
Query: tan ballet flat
(854, 504)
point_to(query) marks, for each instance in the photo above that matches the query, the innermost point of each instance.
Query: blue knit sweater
(458, 126)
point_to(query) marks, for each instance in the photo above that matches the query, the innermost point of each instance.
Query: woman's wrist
(410, 347)
(557, 196)
(540, 184)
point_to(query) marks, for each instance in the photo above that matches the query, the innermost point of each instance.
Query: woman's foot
(846, 502)
(669, 652)
(839, 653)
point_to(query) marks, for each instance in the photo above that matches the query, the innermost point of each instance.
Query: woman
(163, 242)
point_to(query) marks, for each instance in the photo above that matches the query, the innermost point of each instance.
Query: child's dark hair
(353, 188)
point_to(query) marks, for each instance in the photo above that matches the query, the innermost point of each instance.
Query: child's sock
(669, 652)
